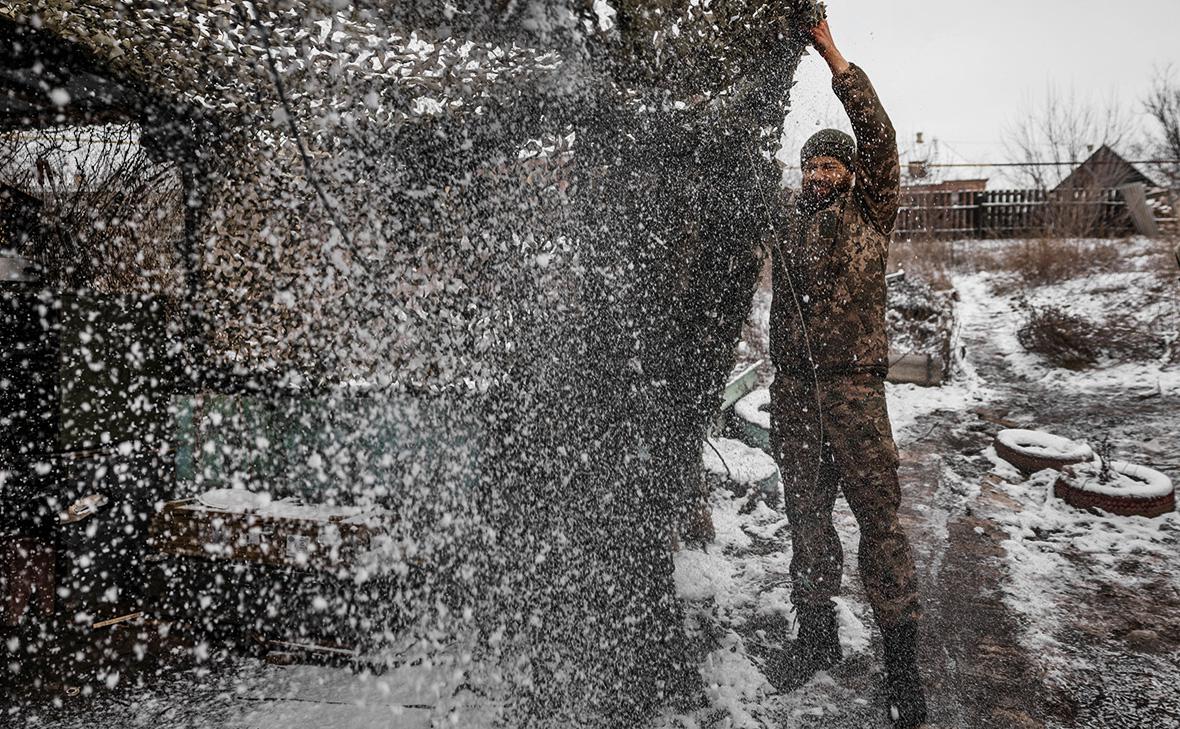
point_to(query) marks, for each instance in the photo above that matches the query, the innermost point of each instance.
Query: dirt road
(1036, 615)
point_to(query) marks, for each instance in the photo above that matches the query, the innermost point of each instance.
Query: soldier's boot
(907, 701)
(816, 649)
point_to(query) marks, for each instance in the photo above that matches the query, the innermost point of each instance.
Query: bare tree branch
(1163, 106)
(1061, 130)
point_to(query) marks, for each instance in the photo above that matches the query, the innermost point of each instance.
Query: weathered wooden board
(915, 369)
(188, 528)
(1135, 196)
(743, 384)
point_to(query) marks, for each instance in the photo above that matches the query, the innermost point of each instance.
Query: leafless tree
(1052, 137)
(1163, 107)
(1061, 130)
(108, 216)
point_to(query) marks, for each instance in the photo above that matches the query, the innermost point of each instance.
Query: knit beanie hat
(830, 143)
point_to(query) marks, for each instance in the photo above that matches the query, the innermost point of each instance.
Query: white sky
(963, 72)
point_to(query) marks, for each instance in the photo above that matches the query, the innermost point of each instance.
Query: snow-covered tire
(751, 422)
(740, 468)
(1032, 450)
(1152, 493)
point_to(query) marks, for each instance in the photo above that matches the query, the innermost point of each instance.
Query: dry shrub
(1033, 262)
(1076, 343)
(1064, 339)
(1041, 262)
(107, 215)
(932, 260)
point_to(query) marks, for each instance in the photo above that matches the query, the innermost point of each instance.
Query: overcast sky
(962, 72)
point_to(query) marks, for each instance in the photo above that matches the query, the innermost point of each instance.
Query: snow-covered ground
(1054, 549)
(1091, 297)
(1081, 609)
(738, 593)
(739, 588)
(1056, 560)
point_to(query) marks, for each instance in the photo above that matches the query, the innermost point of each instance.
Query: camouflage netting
(539, 223)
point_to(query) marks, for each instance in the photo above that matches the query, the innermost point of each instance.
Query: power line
(1073, 163)
(1046, 164)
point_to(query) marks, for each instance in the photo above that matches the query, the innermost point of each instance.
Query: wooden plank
(187, 528)
(1135, 197)
(743, 384)
(915, 369)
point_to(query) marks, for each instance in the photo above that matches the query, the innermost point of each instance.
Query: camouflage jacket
(829, 267)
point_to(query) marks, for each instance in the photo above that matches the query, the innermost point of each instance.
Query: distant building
(977, 185)
(1103, 170)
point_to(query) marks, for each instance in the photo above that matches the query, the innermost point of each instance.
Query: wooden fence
(1012, 213)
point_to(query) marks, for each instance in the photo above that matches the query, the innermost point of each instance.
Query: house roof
(47, 81)
(1105, 168)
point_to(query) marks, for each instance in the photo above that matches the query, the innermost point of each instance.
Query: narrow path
(978, 672)
(1112, 658)
(1112, 651)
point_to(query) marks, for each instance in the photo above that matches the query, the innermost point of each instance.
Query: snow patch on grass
(707, 576)
(1057, 555)
(734, 685)
(734, 591)
(1090, 296)
(737, 461)
(910, 405)
(854, 631)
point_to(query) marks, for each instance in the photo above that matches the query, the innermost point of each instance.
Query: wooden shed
(1105, 169)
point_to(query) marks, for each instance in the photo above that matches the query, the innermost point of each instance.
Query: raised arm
(878, 170)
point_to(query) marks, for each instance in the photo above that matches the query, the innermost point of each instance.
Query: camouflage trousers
(847, 445)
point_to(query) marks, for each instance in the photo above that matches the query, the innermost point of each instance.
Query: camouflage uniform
(830, 428)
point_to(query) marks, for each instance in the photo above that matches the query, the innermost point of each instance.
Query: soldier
(830, 428)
